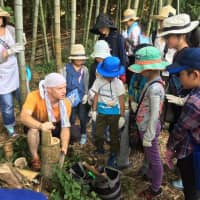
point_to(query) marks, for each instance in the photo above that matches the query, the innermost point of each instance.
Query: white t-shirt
(9, 73)
(108, 95)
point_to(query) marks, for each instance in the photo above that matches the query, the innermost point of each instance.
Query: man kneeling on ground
(46, 110)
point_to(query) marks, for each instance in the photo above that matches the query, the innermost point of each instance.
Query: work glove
(15, 49)
(47, 126)
(169, 155)
(175, 100)
(146, 143)
(94, 115)
(85, 99)
(134, 106)
(121, 122)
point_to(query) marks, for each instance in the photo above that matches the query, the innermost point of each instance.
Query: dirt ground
(132, 183)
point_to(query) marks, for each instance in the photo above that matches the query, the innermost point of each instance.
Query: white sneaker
(83, 139)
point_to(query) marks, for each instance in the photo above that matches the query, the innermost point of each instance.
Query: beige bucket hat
(4, 13)
(129, 14)
(165, 12)
(178, 24)
(77, 52)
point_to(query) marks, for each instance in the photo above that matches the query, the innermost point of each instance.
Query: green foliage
(44, 69)
(191, 7)
(67, 188)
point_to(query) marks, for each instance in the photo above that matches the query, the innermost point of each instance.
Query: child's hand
(94, 116)
(146, 143)
(134, 106)
(169, 155)
(121, 122)
(85, 98)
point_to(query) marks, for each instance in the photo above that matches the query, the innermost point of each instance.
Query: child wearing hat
(109, 105)
(176, 31)
(159, 42)
(105, 28)
(148, 63)
(133, 36)
(77, 78)
(184, 140)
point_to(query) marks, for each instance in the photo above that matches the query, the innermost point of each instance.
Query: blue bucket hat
(188, 58)
(110, 67)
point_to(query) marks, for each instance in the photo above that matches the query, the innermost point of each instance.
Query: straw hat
(101, 49)
(165, 12)
(178, 24)
(129, 14)
(77, 52)
(4, 13)
(148, 58)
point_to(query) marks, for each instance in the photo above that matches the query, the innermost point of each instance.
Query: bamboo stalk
(160, 5)
(97, 14)
(34, 35)
(18, 8)
(2, 3)
(105, 6)
(129, 4)
(44, 32)
(85, 20)
(136, 5)
(178, 6)
(150, 20)
(170, 2)
(73, 24)
(57, 35)
(89, 21)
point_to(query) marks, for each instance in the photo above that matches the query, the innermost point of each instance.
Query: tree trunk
(97, 14)
(34, 35)
(150, 20)
(136, 5)
(66, 14)
(85, 21)
(105, 6)
(2, 3)
(57, 35)
(89, 20)
(129, 4)
(73, 25)
(19, 38)
(44, 33)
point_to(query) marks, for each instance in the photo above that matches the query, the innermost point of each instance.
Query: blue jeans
(81, 111)
(7, 107)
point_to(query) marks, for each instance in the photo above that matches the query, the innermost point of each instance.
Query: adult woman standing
(9, 73)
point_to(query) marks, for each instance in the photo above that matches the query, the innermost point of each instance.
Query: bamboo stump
(50, 153)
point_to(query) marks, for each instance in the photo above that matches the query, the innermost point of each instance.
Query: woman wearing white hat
(9, 73)
(158, 42)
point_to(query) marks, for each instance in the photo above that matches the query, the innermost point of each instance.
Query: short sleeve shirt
(108, 95)
(37, 106)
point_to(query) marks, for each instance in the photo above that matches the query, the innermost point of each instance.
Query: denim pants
(7, 107)
(155, 169)
(103, 121)
(81, 111)
(186, 168)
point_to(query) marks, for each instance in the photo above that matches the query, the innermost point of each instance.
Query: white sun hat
(101, 49)
(178, 24)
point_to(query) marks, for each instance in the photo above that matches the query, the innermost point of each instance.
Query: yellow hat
(129, 14)
(165, 12)
(4, 13)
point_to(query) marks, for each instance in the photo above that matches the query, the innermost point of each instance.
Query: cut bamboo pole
(85, 20)
(150, 20)
(97, 14)
(2, 3)
(105, 6)
(129, 4)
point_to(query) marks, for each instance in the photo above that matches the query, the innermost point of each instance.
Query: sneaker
(83, 139)
(149, 194)
(178, 184)
(112, 160)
